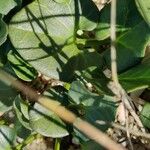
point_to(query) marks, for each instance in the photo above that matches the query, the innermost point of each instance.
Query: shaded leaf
(144, 9)
(105, 111)
(95, 76)
(7, 136)
(3, 30)
(21, 109)
(95, 107)
(136, 78)
(21, 131)
(80, 62)
(7, 96)
(46, 122)
(80, 95)
(46, 26)
(89, 145)
(145, 115)
(130, 47)
(103, 29)
(23, 70)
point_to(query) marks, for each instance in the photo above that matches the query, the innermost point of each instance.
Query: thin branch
(131, 131)
(113, 43)
(88, 129)
(119, 91)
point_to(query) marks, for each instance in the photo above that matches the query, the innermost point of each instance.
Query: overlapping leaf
(21, 109)
(46, 122)
(95, 107)
(45, 27)
(130, 47)
(7, 136)
(23, 70)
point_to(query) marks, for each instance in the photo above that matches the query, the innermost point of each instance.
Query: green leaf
(7, 96)
(144, 9)
(21, 109)
(83, 60)
(136, 78)
(22, 69)
(133, 15)
(130, 47)
(127, 17)
(62, 1)
(7, 136)
(96, 77)
(96, 107)
(46, 122)
(145, 115)
(80, 95)
(104, 110)
(45, 27)
(21, 131)
(103, 28)
(89, 145)
(6, 6)
(3, 31)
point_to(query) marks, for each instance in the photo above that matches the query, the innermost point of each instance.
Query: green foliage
(3, 31)
(48, 34)
(145, 115)
(143, 7)
(21, 109)
(91, 145)
(130, 47)
(7, 136)
(7, 95)
(7, 5)
(92, 106)
(69, 40)
(46, 123)
(23, 70)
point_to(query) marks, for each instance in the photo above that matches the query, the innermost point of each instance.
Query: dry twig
(88, 129)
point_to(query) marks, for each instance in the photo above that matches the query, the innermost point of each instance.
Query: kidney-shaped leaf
(45, 27)
(46, 122)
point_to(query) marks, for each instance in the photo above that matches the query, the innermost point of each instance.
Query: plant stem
(27, 141)
(113, 43)
(57, 144)
(65, 114)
